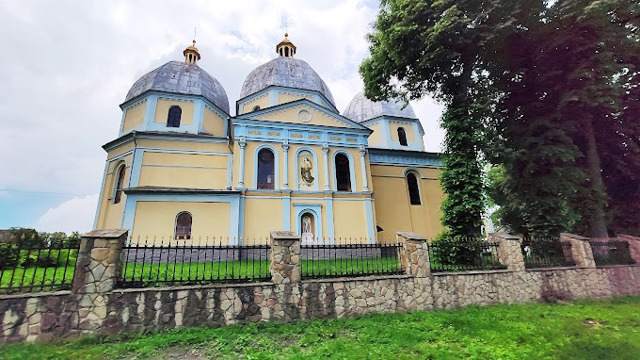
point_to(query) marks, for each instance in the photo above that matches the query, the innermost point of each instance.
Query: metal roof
(287, 72)
(181, 78)
(362, 109)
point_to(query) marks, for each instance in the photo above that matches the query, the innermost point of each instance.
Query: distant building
(182, 167)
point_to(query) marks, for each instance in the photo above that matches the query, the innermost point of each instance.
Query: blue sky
(67, 65)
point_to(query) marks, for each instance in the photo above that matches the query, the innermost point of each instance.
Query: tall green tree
(435, 47)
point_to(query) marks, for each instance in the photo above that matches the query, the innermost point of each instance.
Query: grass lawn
(159, 274)
(606, 329)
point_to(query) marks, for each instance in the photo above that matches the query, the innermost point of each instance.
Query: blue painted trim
(198, 115)
(418, 140)
(136, 167)
(234, 213)
(386, 133)
(352, 174)
(330, 219)
(100, 197)
(276, 164)
(150, 111)
(316, 211)
(277, 89)
(371, 227)
(230, 171)
(286, 213)
(315, 167)
(273, 97)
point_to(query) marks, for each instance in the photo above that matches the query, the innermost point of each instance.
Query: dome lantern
(286, 48)
(191, 54)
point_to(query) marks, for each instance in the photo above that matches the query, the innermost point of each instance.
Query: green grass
(154, 274)
(607, 329)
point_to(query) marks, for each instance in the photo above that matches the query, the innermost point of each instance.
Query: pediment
(303, 112)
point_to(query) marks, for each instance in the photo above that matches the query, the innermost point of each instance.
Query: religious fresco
(305, 174)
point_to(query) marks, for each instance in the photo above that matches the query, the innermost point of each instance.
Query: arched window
(256, 108)
(402, 136)
(175, 113)
(183, 226)
(119, 183)
(414, 190)
(343, 176)
(266, 169)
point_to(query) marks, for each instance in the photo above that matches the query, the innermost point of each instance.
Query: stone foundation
(94, 306)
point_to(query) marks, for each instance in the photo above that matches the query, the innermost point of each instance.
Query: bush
(53, 258)
(9, 255)
(450, 251)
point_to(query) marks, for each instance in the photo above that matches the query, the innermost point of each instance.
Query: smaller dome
(362, 109)
(181, 78)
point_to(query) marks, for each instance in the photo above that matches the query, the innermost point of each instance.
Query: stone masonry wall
(95, 306)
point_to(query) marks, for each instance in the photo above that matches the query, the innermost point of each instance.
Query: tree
(435, 47)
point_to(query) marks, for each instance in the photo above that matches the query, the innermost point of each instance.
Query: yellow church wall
(376, 137)
(262, 101)
(290, 115)
(162, 111)
(184, 170)
(408, 129)
(185, 145)
(261, 215)
(134, 116)
(350, 221)
(157, 219)
(392, 206)
(285, 97)
(213, 123)
(120, 150)
(110, 214)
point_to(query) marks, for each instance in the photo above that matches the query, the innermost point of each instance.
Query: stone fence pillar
(634, 245)
(580, 250)
(510, 251)
(285, 257)
(415, 254)
(96, 273)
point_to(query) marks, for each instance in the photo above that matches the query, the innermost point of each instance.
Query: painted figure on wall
(306, 178)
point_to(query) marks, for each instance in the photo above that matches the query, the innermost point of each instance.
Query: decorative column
(580, 250)
(325, 153)
(415, 254)
(285, 149)
(365, 181)
(242, 143)
(509, 251)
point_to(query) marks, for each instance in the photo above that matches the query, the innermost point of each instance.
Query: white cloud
(73, 215)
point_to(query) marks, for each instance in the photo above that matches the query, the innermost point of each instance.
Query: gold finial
(286, 48)
(191, 53)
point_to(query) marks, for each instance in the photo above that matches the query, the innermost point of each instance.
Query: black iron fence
(465, 254)
(546, 252)
(34, 267)
(611, 253)
(197, 261)
(357, 259)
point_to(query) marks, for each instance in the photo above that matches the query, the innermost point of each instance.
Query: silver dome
(287, 72)
(362, 109)
(181, 78)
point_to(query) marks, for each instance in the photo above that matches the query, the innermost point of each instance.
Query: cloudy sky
(67, 65)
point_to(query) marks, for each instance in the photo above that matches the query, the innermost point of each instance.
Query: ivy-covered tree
(436, 47)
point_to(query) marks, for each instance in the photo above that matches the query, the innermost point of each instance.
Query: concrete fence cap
(411, 236)
(105, 233)
(504, 235)
(285, 235)
(574, 236)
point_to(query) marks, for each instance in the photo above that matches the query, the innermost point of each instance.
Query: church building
(183, 168)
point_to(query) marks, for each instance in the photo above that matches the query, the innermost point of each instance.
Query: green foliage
(447, 250)
(9, 255)
(585, 330)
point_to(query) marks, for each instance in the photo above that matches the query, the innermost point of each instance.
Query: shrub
(9, 255)
(451, 251)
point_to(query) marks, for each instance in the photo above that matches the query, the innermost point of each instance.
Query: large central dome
(287, 72)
